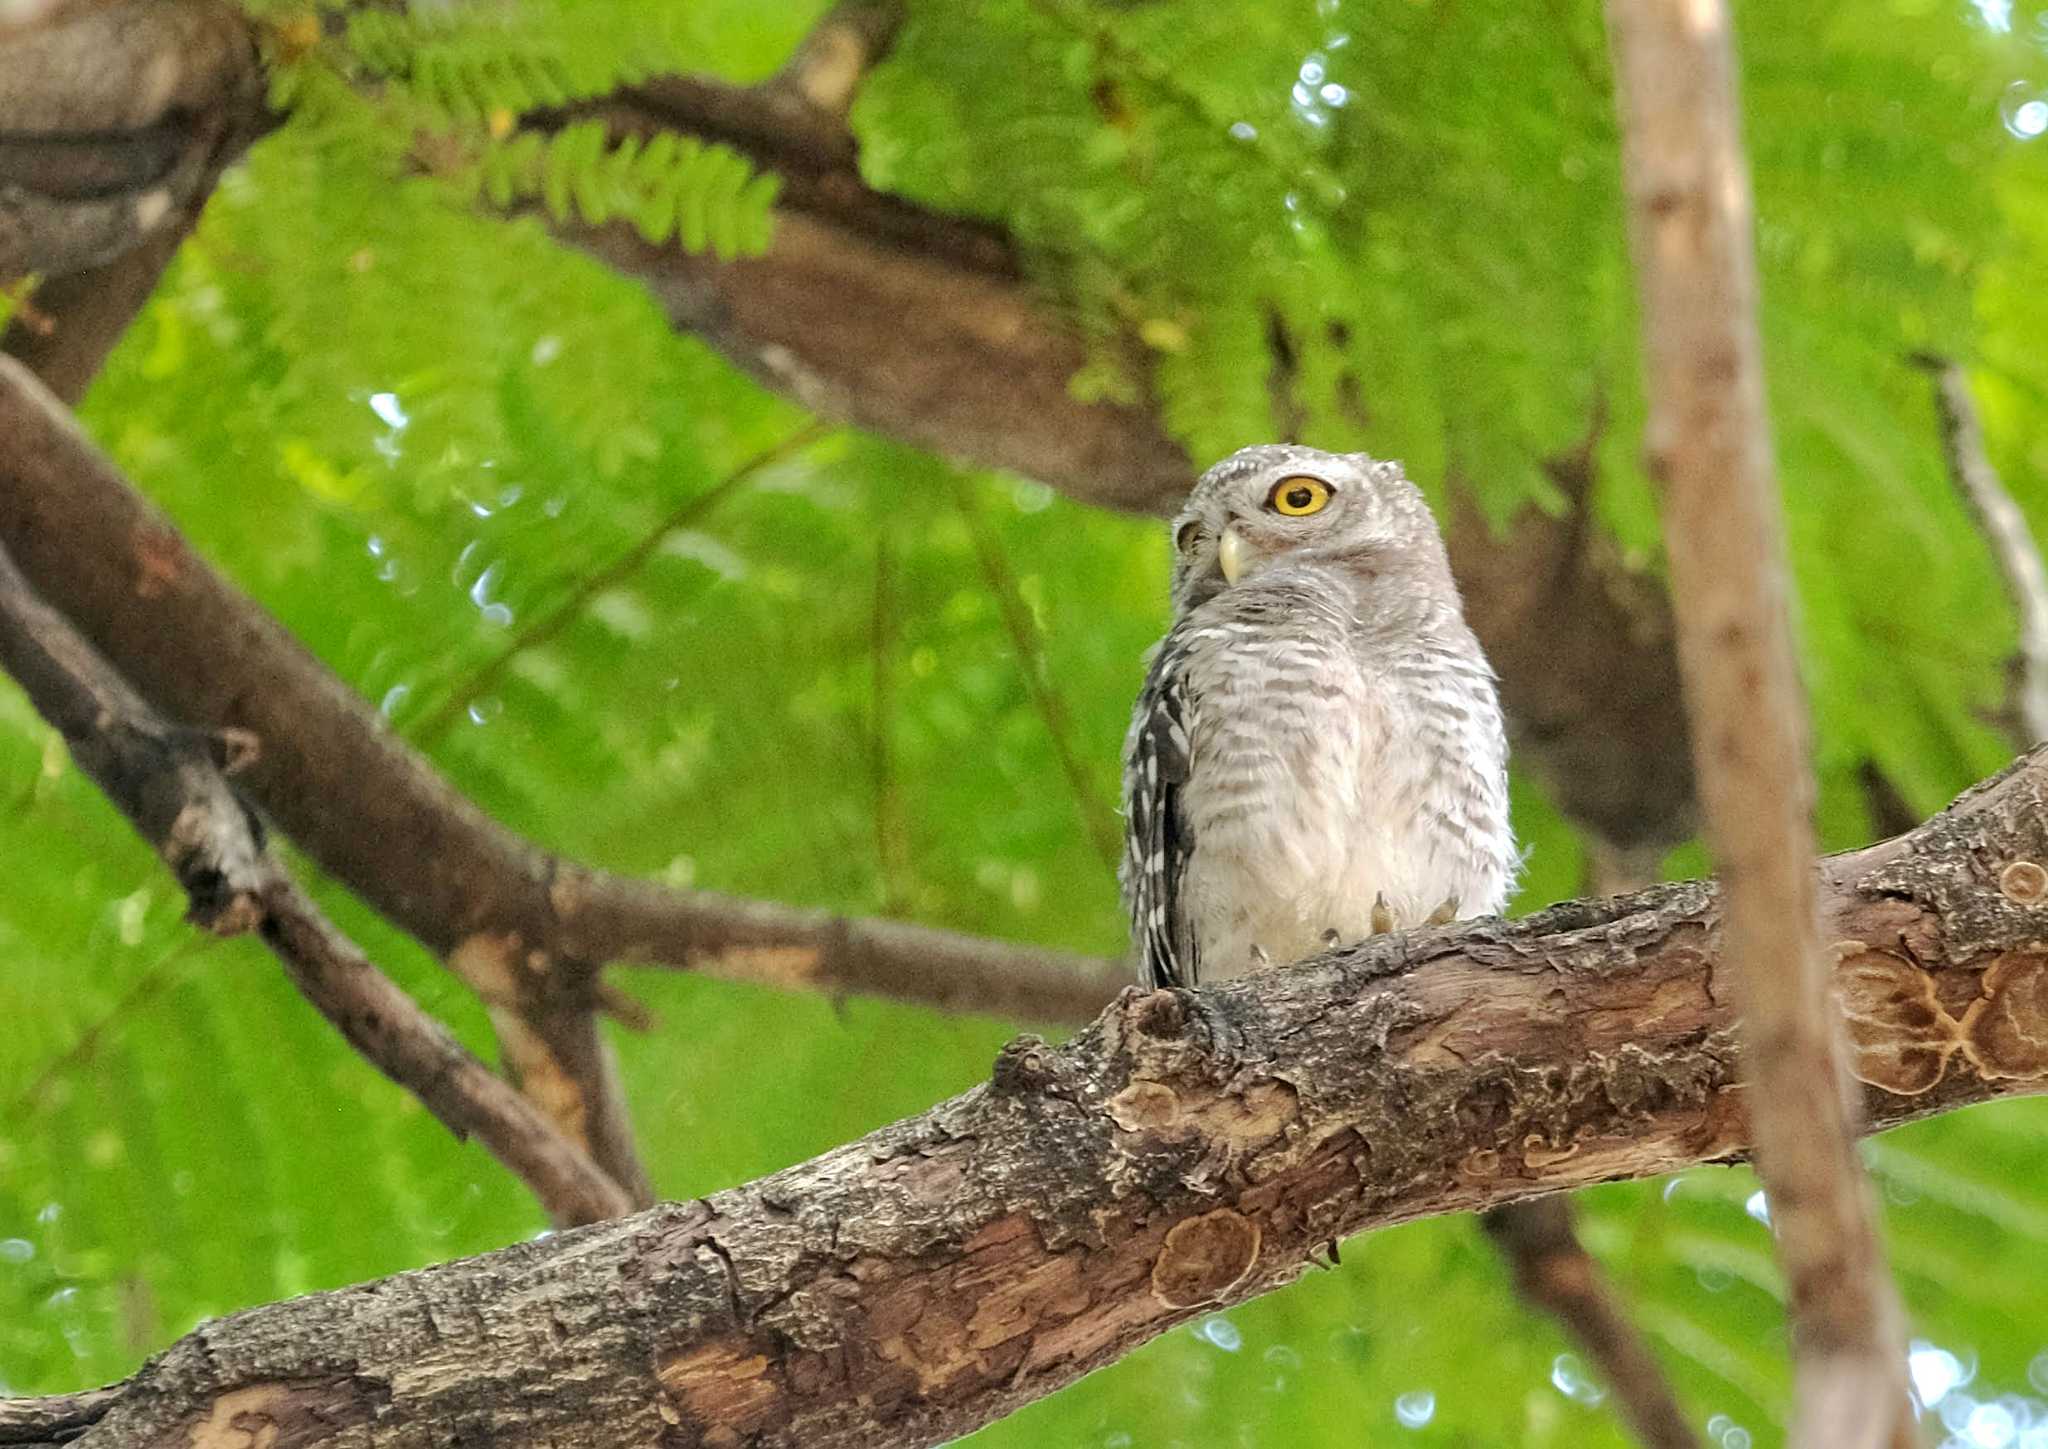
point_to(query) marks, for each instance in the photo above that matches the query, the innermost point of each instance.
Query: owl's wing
(1157, 839)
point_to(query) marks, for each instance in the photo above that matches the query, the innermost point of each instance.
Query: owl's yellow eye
(1299, 496)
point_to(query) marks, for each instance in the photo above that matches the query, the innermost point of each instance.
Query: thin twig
(2012, 543)
(376, 816)
(144, 989)
(1098, 818)
(486, 676)
(165, 782)
(890, 866)
(1709, 445)
(1555, 1273)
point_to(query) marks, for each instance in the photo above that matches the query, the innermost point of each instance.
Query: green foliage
(471, 62)
(707, 196)
(443, 90)
(1406, 235)
(414, 430)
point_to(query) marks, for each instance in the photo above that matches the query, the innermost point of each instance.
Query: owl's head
(1280, 501)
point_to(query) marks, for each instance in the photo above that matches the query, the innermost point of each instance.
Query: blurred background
(449, 451)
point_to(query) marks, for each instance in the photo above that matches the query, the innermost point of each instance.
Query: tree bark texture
(1187, 1150)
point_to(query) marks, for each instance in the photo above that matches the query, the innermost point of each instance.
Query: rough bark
(169, 783)
(1188, 1149)
(1709, 448)
(1554, 1273)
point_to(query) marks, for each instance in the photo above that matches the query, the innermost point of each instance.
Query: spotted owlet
(1317, 754)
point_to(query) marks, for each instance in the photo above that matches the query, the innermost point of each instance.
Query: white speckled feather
(1315, 737)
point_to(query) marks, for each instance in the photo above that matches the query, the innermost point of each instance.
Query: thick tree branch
(1556, 1275)
(377, 816)
(169, 785)
(2011, 542)
(115, 122)
(1709, 447)
(1187, 1150)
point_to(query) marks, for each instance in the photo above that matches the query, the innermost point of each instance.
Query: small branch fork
(1709, 446)
(169, 782)
(527, 930)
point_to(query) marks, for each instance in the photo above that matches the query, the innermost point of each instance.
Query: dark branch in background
(1709, 447)
(375, 815)
(921, 326)
(115, 122)
(1555, 1273)
(168, 782)
(1189, 1150)
(2011, 542)
(1588, 668)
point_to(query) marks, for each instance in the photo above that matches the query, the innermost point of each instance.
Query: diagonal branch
(1098, 817)
(376, 815)
(170, 786)
(1187, 1150)
(1709, 446)
(2011, 542)
(1554, 1272)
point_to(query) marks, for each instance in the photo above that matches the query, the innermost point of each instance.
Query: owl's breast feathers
(1300, 751)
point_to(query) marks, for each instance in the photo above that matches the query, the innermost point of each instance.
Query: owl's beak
(1232, 554)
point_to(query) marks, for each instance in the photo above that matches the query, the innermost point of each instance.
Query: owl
(1317, 754)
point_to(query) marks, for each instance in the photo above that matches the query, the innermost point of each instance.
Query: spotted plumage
(1317, 752)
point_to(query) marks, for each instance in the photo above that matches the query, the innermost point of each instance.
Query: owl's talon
(1260, 960)
(1330, 938)
(1444, 914)
(1382, 915)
